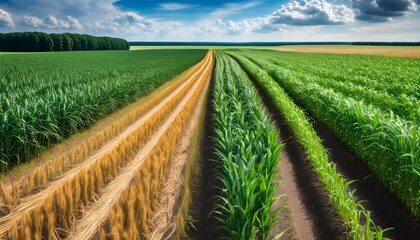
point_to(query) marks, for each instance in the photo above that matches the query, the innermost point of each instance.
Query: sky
(219, 20)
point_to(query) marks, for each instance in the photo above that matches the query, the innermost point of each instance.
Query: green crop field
(219, 120)
(218, 152)
(45, 97)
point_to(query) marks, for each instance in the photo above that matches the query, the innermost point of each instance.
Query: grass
(47, 97)
(348, 208)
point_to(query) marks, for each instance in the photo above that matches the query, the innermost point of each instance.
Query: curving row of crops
(386, 142)
(44, 98)
(248, 153)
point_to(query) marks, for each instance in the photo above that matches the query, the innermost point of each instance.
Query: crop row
(46, 98)
(388, 84)
(386, 143)
(350, 211)
(248, 154)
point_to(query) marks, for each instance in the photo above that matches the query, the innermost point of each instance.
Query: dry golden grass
(394, 51)
(136, 202)
(62, 206)
(190, 176)
(171, 207)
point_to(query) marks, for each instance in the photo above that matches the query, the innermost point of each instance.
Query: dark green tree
(58, 41)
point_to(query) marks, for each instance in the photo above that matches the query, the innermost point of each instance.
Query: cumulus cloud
(383, 10)
(6, 19)
(174, 6)
(312, 12)
(52, 22)
(303, 13)
(80, 9)
(229, 27)
(125, 23)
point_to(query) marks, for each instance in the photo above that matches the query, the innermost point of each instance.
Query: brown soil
(204, 225)
(312, 215)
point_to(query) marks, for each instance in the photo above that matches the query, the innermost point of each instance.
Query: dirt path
(204, 225)
(312, 216)
(36, 200)
(98, 212)
(309, 213)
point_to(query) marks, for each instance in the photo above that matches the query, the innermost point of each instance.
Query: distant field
(191, 47)
(396, 51)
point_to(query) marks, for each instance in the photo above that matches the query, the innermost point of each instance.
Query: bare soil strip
(164, 221)
(311, 215)
(387, 211)
(97, 213)
(36, 200)
(204, 225)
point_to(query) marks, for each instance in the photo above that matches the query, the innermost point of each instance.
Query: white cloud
(125, 23)
(52, 22)
(174, 6)
(83, 10)
(312, 12)
(6, 19)
(233, 8)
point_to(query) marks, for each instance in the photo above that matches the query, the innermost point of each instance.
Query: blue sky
(219, 20)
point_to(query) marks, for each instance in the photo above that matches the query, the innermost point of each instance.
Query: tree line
(387, 43)
(43, 42)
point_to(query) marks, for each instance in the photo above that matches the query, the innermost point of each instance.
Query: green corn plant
(381, 135)
(248, 153)
(350, 211)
